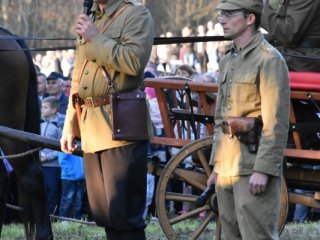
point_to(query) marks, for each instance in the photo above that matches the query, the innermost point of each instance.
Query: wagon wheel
(172, 224)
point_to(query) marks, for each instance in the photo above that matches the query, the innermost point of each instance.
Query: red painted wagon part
(309, 81)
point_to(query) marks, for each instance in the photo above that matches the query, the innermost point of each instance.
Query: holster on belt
(77, 102)
(246, 129)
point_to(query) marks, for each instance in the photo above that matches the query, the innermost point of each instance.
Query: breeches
(116, 185)
(245, 216)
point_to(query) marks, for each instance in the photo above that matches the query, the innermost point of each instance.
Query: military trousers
(116, 186)
(245, 216)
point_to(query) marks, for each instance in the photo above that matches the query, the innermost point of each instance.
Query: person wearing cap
(114, 43)
(54, 88)
(253, 82)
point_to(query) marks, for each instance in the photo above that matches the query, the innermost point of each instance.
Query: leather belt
(96, 101)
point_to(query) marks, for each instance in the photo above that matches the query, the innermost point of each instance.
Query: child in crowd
(49, 158)
(73, 185)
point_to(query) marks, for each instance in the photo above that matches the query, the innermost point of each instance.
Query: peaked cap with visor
(255, 6)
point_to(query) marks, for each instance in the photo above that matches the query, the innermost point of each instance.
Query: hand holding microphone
(84, 26)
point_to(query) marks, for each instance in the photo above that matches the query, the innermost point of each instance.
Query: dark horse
(19, 110)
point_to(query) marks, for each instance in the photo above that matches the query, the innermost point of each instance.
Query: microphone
(87, 5)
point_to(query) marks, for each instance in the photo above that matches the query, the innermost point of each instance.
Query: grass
(70, 231)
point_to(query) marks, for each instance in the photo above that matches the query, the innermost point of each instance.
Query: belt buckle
(89, 102)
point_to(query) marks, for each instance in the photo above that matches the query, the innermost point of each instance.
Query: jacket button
(278, 165)
(230, 81)
(229, 107)
(86, 72)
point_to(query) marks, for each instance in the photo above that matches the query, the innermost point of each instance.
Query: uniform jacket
(124, 50)
(50, 129)
(294, 22)
(253, 82)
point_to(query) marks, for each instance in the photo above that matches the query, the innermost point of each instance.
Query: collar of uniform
(95, 9)
(112, 6)
(252, 44)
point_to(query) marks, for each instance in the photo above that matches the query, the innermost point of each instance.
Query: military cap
(54, 76)
(255, 6)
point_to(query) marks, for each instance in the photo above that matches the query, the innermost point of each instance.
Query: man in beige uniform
(115, 170)
(253, 82)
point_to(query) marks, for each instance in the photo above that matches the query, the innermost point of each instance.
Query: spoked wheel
(172, 223)
(188, 225)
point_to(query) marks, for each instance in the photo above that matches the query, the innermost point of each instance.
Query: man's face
(234, 23)
(41, 84)
(54, 87)
(66, 87)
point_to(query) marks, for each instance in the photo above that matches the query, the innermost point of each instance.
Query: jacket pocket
(245, 77)
(244, 87)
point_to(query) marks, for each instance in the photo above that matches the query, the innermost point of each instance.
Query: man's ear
(251, 19)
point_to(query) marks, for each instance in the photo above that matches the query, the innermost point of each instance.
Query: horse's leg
(3, 192)
(32, 194)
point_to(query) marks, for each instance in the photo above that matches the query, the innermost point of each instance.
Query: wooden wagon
(188, 125)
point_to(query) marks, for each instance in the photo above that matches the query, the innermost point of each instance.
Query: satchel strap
(114, 17)
(101, 31)
(102, 69)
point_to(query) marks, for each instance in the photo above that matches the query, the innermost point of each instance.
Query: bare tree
(55, 19)
(174, 15)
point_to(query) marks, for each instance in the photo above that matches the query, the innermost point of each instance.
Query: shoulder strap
(114, 17)
(101, 31)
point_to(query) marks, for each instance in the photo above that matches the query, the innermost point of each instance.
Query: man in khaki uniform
(253, 82)
(115, 170)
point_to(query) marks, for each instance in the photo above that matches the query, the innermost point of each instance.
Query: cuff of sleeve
(274, 168)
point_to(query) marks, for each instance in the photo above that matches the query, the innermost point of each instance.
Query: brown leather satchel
(246, 129)
(129, 116)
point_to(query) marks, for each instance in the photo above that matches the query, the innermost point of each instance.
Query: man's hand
(85, 27)
(212, 179)
(258, 183)
(67, 143)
